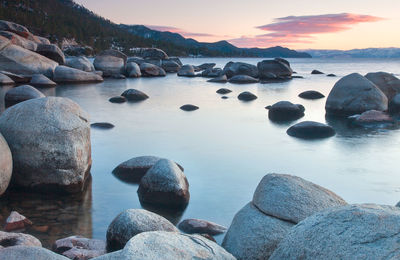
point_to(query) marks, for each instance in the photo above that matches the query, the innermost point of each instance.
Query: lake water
(226, 147)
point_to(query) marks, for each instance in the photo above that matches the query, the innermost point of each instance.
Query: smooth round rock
(186, 71)
(247, 96)
(41, 81)
(224, 91)
(189, 107)
(372, 118)
(240, 68)
(316, 72)
(6, 165)
(193, 226)
(243, 79)
(311, 130)
(52, 52)
(386, 82)
(79, 248)
(8, 239)
(64, 74)
(117, 99)
(50, 142)
(365, 231)
(220, 79)
(311, 94)
(29, 253)
(272, 69)
(212, 73)
(21, 94)
(285, 111)
(134, 95)
(132, 222)
(133, 70)
(110, 62)
(80, 63)
(170, 65)
(164, 185)
(102, 125)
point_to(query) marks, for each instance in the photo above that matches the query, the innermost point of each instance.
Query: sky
(297, 24)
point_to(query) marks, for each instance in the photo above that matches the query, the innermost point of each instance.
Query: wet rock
(6, 165)
(133, 222)
(170, 66)
(21, 94)
(134, 95)
(224, 91)
(41, 81)
(311, 94)
(247, 96)
(291, 198)
(176, 59)
(220, 79)
(254, 235)
(80, 63)
(134, 169)
(63, 74)
(150, 70)
(273, 69)
(29, 253)
(331, 75)
(102, 125)
(110, 62)
(18, 239)
(189, 107)
(52, 52)
(164, 185)
(117, 99)
(372, 118)
(386, 82)
(133, 70)
(118, 76)
(355, 94)
(206, 66)
(5, 80)
(224, 97)
(186, 71)
(212, 73)
(240, 68)
(285, 111)
(79, 248)
(394, 105)
(366, 231)
(311, 130)
(50, 142)
(243, 79)
(16, 221)
(316, 72)
(192, 226)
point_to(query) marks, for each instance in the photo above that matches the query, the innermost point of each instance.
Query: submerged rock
(220, 79)
(18, 239)
(41, 81)
(247, 96)
(134, 95)
(386, 82)
(316, 72)
(193, 226)
(79, 248)
(16, 221)
(133, 222)
(285, 111)
(6, 165)
(243, 79)
(331, 75)
(21, 94)
(117, 99)
(63, 74)
(189, 107)
(372, 118)
(311, 94)
(224, 91)
(102, 125)
(212, 73)
(311, 130)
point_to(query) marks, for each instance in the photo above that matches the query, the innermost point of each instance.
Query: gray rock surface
(366, 231)
(189, 107)
(63, 74)
(21, 94)
(52, 52)
(154, 53)
(386, 82)
(372, 118)
(109, 64)
(132, 222)
(170, 65)
(8, 239)
(134, 95)
(355, 94)
(17, 78)
(41, 81)
(6, 165)
(80, 63)
(79, 248)
(316, 72)
(311, 94)
(117, 99)
(212, 73)
(220, 79)
(5, 80)
(311, 130)
(243, 79)
(247, 96)
(14, 27)
(50, 142)
(133, 70)
(223, 91)
(240, 68)
(285, 111)
(186, 71)
(19, 40)
(29, 253)
(151, 70)
(200, 226)
(268, 69)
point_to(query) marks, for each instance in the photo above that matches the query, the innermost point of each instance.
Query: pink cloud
(301, 29)
(178, 30)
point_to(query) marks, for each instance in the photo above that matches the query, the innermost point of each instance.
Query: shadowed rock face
(311, 130)
(79, 248)
(41, 81)
(52, 52)
(240, 68)
(21, 94)
(277, 68)
(311, 94)
(386, 82)
(199, 226)
(247, 96)
(189, 107)
(134, 95)
(243, 79)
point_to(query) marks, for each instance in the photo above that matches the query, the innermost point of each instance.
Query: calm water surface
(226, 147)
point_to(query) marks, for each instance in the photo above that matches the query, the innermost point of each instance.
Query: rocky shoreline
(45, 150)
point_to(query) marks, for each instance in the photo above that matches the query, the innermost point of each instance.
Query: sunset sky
(301, 24)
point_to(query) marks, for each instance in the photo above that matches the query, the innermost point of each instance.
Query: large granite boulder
(164, 185)
(15, 28)
(8, 239)
(18, 60)
(6, 164)
(292, 198)
(366, 231)
(133, 70)
(63, 74)
(52, 52)
(268, 69)
(253, 234)
(311, 130)
(285, 111)
(17, 78)
(110, 62)
(132, 222)
(355, 94)
(386, 82)
(29, 253)
(19, 40)
(50, 142)
(186, 71)
(212, 73)
(41, 81)
(240, 68)
(80, 63)
(151, 70)
(169, 246)
(170, 65)
(21, 94)
(154, 53)
(243, 79)
(5, 80)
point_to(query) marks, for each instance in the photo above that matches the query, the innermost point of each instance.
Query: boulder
(164, 185)
(311, 130)
(29, 253)
(117, 99)
(109, 64)
(386, 82)
(224, 97)
(286, 62)
(355, 94)
(189, 107)
(118, 76)
(102, 125)
(18, 60)
(206, 66)
(169, 245)
(21, 94)
(240, 68)
(5, 80)
(220, 79)
(42, 40)
(20, 41)
(292, 198)
(331, 75)
(223, 91)
(114, 53)
(134, 95)
(311, 94)
(132, 222)
(17, 78)
(78, 50)
(15, 28)
(372, 118)
(247, 96)
(193, 226)
(41, 81)
(154, 53)
(52, 52)
(63, 74)
(6, 165)
(18, 239)
(272, 69)
(366, 231)
(137, 60)
(80, 63)
(79, 248)
(316, 72)
(254, 235)
(186, 71)
(212, 73)
(16, 221)
(50, 142)
(170, 66)
(134, 169)
(151, 70)
(394, 105)
(243, 79)
(285, 111)
(176, 59)
(133, 70)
